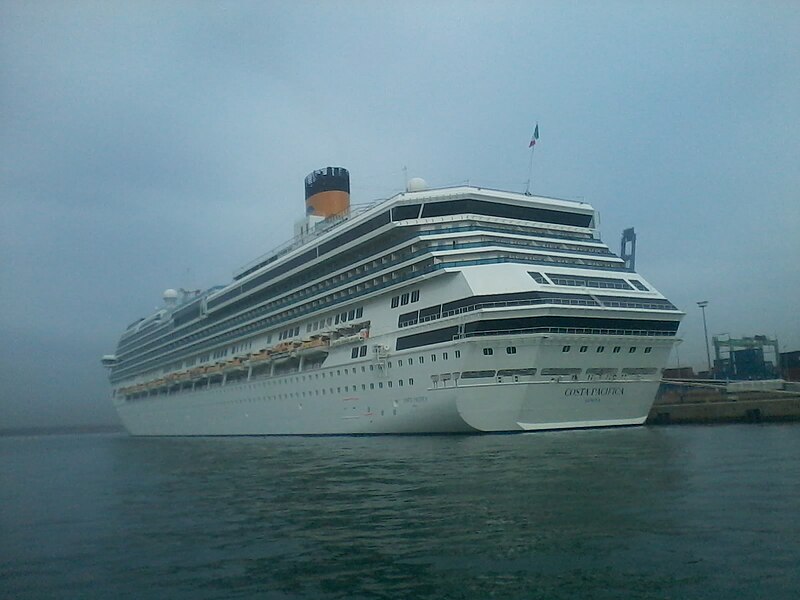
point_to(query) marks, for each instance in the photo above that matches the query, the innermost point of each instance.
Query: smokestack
(328, 192)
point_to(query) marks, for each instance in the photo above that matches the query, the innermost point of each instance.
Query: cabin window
(404, 299)
(415, 296)
(538, 277)
(648, 350)
(584, 348)
(632, 349)
(395, 301)
(616, 349)
(601, 348)
(488, 351)
(565, 349)
(458, 353)
(511, 349)
(363, 351)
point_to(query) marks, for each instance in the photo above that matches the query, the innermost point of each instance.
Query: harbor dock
(681, 402)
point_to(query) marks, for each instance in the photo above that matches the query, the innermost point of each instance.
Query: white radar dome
(416, 184)
(170, 294)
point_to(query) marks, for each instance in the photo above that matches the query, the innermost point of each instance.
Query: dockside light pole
(702, 304)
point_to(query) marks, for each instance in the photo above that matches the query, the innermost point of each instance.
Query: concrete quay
(677, 404)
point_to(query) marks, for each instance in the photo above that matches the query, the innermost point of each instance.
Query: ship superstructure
(436, 310)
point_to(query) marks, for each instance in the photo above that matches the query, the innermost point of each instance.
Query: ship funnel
(327, 192)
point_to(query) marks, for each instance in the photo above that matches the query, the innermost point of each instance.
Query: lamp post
(702, 304)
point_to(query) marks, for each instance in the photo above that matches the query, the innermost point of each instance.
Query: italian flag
(535, 137)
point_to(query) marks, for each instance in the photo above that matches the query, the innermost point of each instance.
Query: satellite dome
(416, 184)
(170, 297)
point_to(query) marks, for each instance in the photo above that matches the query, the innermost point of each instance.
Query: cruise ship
(460, 309)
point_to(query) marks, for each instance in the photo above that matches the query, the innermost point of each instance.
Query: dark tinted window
(410, 211)
(508, 211)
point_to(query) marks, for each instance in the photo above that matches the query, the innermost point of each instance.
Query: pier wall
(677, 404)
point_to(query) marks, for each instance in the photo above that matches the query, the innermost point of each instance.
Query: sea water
(649, 512)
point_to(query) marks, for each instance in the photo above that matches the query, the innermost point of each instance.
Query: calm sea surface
(661, 512)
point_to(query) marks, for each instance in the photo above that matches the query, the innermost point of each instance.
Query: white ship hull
(370, 406)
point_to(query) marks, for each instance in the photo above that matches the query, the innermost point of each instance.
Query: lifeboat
(261, 356)
(233, 365)
(282, 347)
(355, 338)
(316, 345)
(284, 351)
(197, 372)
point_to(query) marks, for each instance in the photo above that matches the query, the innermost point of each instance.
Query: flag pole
(530, 172)
(532, 146)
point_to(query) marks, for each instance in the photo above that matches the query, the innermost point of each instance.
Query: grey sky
(154, 145)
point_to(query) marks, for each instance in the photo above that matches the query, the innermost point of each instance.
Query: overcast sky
(155, 145)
